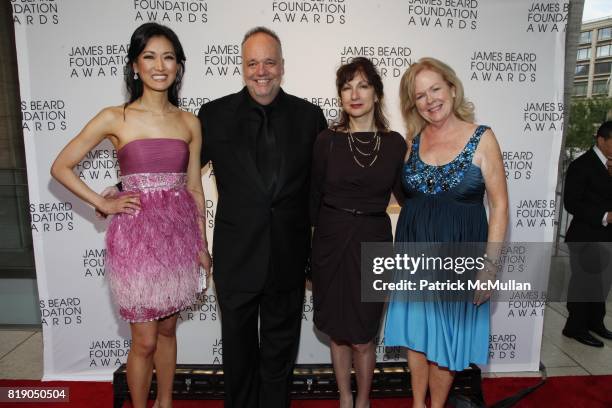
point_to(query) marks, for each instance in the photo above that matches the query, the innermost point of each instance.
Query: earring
(136, 75)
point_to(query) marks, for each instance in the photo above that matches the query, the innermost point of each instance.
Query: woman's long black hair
(138, 42)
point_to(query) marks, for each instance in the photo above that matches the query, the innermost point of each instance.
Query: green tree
(585, 117)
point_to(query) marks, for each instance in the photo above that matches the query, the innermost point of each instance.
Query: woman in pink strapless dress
(156, 239)
(151, 255)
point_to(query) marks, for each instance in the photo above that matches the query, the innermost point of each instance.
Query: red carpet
(575, 392)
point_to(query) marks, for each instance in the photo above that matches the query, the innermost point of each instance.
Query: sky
(596, 9)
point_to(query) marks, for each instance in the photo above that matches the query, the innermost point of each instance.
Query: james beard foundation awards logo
(171, 11)
(534, 213)
(51, 216)
(444, 14)
(35, 12)
(309, 12)
(42, 115)
(502, 346)
(108, 352)
(542, 116)
(61, 311)
(99, 164)
(518, 164)
(216, 351)
(498, 66)
(526, 304)
(391, 60)
(330, 106)
(92, 262)
(512, 260)
(203, 310)
(547, 17)
(97, 60)
(222, 60)
(192, 103)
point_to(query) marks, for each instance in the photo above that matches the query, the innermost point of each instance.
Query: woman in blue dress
(452, 162)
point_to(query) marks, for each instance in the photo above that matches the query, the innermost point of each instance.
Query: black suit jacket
(587, 196)
(258, 232)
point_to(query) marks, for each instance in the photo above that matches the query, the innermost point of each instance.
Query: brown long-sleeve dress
(336, 248)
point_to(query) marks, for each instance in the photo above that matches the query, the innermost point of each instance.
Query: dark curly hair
(345, 74)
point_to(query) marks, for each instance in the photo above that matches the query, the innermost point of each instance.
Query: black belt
(356, 212)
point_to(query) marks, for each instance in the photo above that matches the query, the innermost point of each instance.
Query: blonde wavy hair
(415, 123)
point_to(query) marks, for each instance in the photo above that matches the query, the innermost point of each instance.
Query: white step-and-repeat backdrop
(71, 53)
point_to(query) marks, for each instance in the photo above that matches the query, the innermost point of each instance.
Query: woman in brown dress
(356, 164)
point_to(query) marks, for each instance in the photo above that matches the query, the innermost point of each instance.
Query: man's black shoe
(585, 338)
(603, 332)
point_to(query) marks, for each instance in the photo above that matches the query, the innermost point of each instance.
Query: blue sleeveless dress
(443, 204)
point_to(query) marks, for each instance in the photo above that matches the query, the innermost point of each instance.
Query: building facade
(593, 74)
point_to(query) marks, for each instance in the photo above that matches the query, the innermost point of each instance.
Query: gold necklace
(356, 152)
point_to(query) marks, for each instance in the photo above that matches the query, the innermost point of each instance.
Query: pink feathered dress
(152, 256)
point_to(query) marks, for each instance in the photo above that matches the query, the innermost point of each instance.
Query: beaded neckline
(432, 179)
